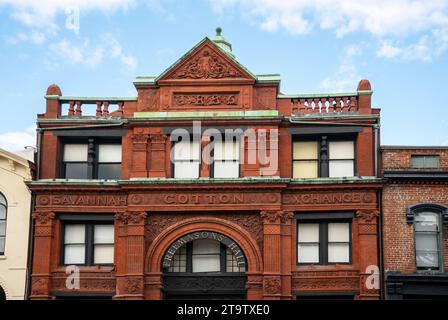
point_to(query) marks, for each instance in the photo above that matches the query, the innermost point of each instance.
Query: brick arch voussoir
(157, 249)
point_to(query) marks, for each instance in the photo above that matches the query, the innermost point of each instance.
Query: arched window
(3, 209)
(204, 255)
(428, 220)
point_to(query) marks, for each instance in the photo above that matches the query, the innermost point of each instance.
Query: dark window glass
(75, 170)
(109, 170)
(427, 240)
(425, 162)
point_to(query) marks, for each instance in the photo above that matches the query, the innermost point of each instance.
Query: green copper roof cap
(222, 42)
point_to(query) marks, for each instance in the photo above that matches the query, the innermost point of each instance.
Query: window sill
(2, 257)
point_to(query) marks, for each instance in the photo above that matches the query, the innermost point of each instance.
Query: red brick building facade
(140, 220)
(415, 233)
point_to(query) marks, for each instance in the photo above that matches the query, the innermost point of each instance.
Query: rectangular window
(75, 161)
(88, 243)
(425, 162)
(109, 161)
(323, 158)
(226, 159)
(426, 228)
(186, 159)
(323, 242)
(305, 159)
(206, 256)
(104, 161)
(341, 158)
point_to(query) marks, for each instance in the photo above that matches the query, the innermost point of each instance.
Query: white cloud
(42, 13)
(17, 140)
(400, 21)
(346, 76)
(88, 55)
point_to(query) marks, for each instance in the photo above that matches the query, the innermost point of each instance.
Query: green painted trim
(363, 92)
(336, 116)
(264, 78)
(318, 95)
(205, 181)
(115, 120)
(207, 114)
(142, 80)
(51, 97)
(65, 99)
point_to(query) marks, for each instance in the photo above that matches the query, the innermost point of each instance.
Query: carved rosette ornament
(43, 217)
(133, 285)
(207, 65)
(272, 285)
(367, 216)
(131, 217)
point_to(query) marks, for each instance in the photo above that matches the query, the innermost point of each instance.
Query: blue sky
(401, 46)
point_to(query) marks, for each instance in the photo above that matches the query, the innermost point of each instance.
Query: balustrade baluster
(106, 108)
(78, 111)
(71, 109)
(99, 112)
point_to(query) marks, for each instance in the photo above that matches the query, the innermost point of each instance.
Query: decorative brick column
(272, 282)
(43, 234)
(157, 158)
(139, 154)
(367, 234)
(286, 218)
(131, 243)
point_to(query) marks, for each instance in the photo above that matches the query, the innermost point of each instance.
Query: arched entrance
(155, 256)
(204, 265)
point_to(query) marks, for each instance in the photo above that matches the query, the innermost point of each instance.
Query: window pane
(427, 259)
(74, 254)
(187, 150)
(103, 233)
(339, 232)
(426, 221)
(341, 150)
(103, 254)
(305, 169)
(109, 153)
(2, 245)
(75, 233)
(308, 232)
(206, 263)
(226, 150)
(206, 246)
(109, 170)
(3, 228)
(226, 169)
(76, 170)
(2, 199)
(308, 253)
(305, 150)
(186, 169)
(425, 161)
(75, 152)
(426, 241)
(341, 168)
(2, 212)
(338, 252)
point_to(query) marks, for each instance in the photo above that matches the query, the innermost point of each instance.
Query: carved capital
(158, 138)
(139, 138)
(275, 216)
(131, 217)
(367, 216)
(43, 217)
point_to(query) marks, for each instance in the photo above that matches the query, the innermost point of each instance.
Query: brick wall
(400, 159)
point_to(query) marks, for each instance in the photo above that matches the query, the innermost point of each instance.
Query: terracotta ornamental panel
(329, 198)
(82, 200)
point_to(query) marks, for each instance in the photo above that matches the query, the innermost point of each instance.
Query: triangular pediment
(206, 62)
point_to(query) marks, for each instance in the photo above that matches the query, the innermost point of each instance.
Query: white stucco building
(15, 201)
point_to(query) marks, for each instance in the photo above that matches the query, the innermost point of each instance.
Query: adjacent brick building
(143, 214)
(415, 216)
